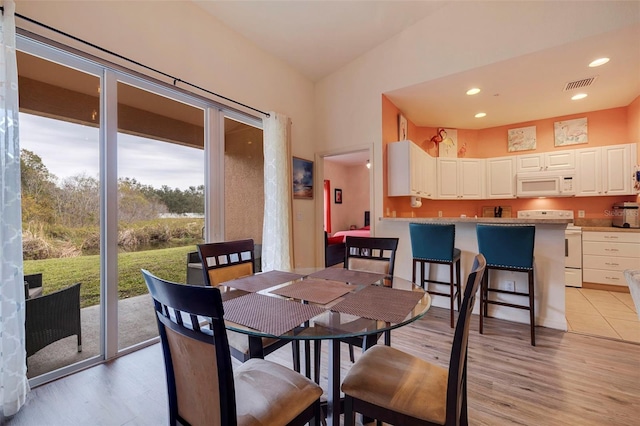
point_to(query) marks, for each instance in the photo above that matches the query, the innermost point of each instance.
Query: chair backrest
(508, 246)
(196, 352)
(371, 254)
(432, 241)
(457, 380)
(34, 280)
(52, 317)
(226, 261)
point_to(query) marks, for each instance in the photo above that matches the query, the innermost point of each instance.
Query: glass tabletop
(359, 310)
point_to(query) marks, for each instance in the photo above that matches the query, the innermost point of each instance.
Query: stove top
(549, 214)
(545, 214)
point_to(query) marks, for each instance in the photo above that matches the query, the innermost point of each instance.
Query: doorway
(347, 197)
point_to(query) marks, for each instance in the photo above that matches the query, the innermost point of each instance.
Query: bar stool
(434, 243)
(507, 248)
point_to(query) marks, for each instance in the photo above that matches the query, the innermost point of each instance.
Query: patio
(136, 321)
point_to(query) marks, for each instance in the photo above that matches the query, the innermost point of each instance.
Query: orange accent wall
(606, 127)
(633, 122)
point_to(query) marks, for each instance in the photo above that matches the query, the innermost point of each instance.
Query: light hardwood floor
(567, 379)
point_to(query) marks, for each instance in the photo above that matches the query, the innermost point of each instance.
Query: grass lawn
(170, 264)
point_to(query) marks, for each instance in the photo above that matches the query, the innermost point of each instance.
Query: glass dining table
(332, 304)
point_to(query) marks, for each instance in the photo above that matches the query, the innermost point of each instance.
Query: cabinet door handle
(613, 278)
(611, 237)
(611, 249)
(611, 264)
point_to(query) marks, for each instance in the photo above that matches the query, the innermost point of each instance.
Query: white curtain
(277, 230)
(13, 368)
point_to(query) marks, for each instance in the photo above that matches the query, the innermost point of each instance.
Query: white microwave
(561, 183)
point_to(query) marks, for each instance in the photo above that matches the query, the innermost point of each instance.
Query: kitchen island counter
(549, 264)
(495, 220)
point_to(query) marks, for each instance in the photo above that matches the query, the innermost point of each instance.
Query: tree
(38, 188)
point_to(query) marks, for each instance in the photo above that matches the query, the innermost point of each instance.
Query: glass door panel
(160, 200)
(60, 142)
(243, 184)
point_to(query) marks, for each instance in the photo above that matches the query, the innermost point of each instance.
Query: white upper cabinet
(616, 168)
(460, 178)
(588, 172)
(555, 160)
(411, 171)
(605, 170)
(447, 180)
(501, 173)
(599, 171)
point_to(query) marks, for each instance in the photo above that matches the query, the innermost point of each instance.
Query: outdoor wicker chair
(52, 317)
(32, 286)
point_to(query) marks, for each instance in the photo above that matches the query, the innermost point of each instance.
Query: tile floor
(602, 313)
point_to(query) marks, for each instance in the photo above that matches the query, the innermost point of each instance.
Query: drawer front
(619, 237)
(610, 263)
(611, 249)
(600, 276)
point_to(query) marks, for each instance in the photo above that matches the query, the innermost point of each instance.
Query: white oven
(572, 243)
(573, 256)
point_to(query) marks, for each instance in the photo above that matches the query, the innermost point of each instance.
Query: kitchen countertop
(497, 220)
(609, 229)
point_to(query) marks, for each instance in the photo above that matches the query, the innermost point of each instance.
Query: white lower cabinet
(605, 256)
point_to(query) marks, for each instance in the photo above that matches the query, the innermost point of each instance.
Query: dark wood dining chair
(372, 254)
(228, 260)
(366, 254)
(398, 388)
(203, 386)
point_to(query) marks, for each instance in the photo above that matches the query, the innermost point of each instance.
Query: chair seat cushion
(271, 394)
(397, 381)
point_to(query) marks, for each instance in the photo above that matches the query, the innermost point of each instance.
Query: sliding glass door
(121, 173)
(160, 165)
(60, 165)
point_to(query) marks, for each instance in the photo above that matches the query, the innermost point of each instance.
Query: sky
(69, 149)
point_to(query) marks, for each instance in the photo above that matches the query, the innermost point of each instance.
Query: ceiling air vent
(577, 84)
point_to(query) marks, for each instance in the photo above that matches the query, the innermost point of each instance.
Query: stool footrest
(515, 293)
(511, 305)
(437, 293)
(435, 282)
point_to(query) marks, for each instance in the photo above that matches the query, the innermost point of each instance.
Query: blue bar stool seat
(508, 248)
(434, 243)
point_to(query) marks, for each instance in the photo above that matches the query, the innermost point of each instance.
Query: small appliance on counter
(626, 215)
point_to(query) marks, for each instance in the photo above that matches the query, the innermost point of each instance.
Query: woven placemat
(315, 291)
(267, 314)
(379, 303)
(258, 282)
(348, 276)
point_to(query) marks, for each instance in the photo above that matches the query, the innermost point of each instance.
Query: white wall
(457, 37)
(180, 39)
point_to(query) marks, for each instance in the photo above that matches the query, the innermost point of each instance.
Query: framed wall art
(521, 139)
(402, 127)
(570, 132)
(338, 196)
(302, 179)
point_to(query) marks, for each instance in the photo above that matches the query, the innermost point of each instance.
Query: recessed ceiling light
(578, 96)
(481, 114)
(598, 62)
(473, 91)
